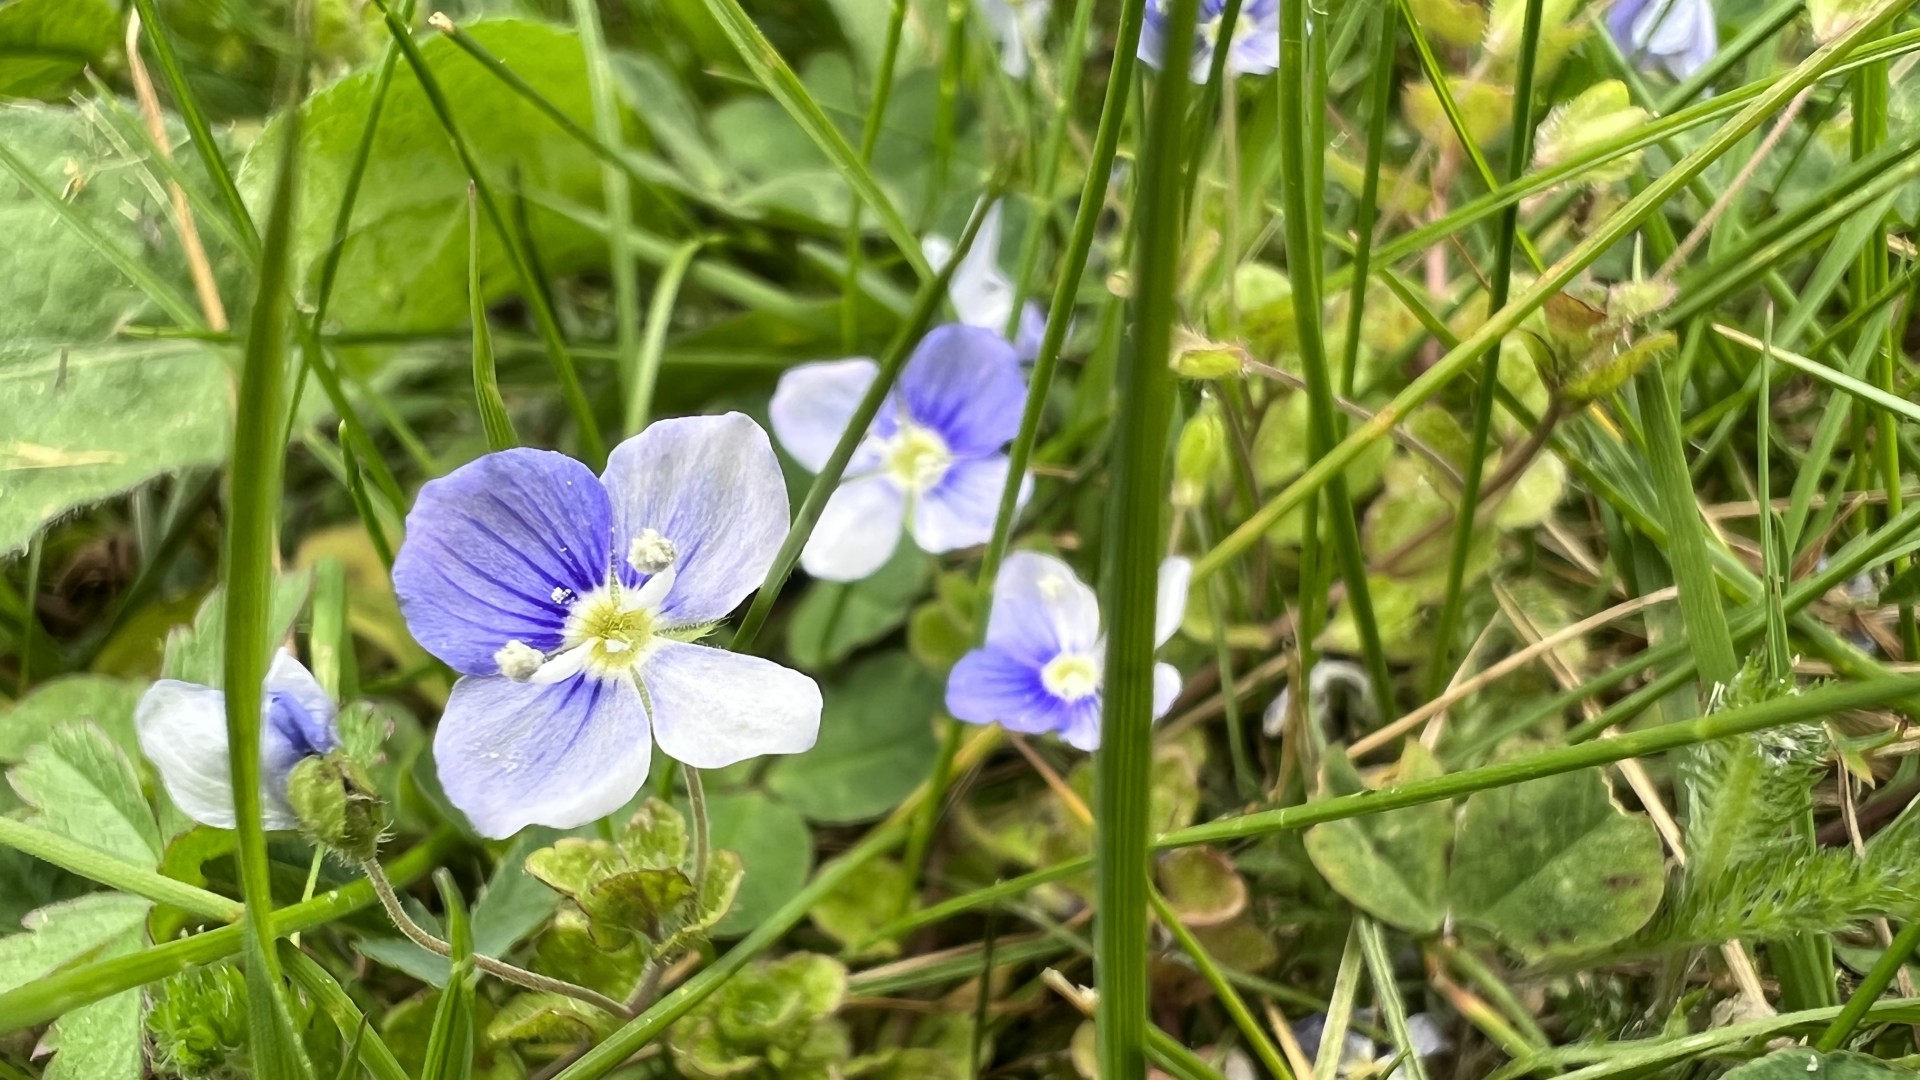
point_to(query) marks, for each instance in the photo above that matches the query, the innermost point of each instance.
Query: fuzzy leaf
(196, 654)
(1801, 1063)
(86, 790)
(100, 1041)
(107, 703)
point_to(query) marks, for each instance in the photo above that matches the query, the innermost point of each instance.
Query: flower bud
(1195, 357)
(336, 805)
(1601, 112)
(198, 1023)
(1201, 452)
(1264, 297)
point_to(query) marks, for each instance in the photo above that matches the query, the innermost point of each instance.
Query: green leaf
(86, 790)
(876, 744)
(549, 1018)
(878, 895)
(44, 44)
(1392, 865)
(102, 1040)
(86, 423)
(775, 848)
(1800, 1063)
(1201, 885)
(1554, 867)
(406, 252)
(835, 618)
(194, 653)
(107, 703)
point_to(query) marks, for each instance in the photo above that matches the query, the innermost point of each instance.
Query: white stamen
(1051, 587)
(518, 660)
(562, 595)
(650, 552)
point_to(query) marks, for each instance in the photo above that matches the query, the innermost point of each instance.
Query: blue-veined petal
(959, 511)
(495, 551)
(713, 708)
(857, 531)
(812, 404)
(182, 729)
(963, 383)
(512, 754)
(1041, 609)
(712, 487)
(995, 686)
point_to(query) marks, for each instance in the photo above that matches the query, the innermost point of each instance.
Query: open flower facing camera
(183, 731)
(933, 462)
(1043, 666)
(571, 605)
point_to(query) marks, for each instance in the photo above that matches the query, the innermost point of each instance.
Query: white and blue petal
(711, 486)
(813, 403)
(1170, 597)
(496, 549)
(963, 383)
(959, 511)
(713, 708)
(1041, 609)
(857, 531)
(1166, 688)
(298, 708)
(1081, 729)
(182, 729)
(996, 686)
(513, 754)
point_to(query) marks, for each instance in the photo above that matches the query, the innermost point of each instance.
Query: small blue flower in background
(981, 292)
(1361, 1056)
(183, 730)
(1017, 25)
(1678, 36)
(1255, 49)
(933, 462)
(569, 603)
(1043, 664)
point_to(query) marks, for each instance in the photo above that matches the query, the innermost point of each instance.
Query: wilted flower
(1678, 36)
(1042, 668)
(1255, 49)
(183, 731)
(932, 462)
(981, 292)
(1017, 25)
(570, 604)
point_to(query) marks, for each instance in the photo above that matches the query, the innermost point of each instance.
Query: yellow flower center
(616, 635)
(1071, 676)
(916, 458)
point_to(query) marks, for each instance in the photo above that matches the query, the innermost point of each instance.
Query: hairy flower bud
(336, 805)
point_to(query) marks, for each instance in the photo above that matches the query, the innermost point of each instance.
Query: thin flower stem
(702, 831)
(499, 968)
(1229, 998)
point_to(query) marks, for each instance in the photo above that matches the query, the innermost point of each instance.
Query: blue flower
(933, 461)
(183, 730)
(1018, 26)
(1042, 667)
(1255, 49)
(1679, 36)
(981, 292)
(570, 605)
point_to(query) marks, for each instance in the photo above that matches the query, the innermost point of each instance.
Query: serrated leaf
(1393, 865)
(634, 902)
(1554, 867)
(102, 1040)
(655, 837)
(573, 864)
(107, 703)
(194, 653)
(85, 789)
(876, 744)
